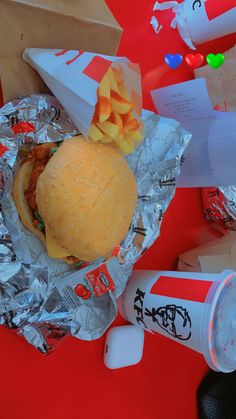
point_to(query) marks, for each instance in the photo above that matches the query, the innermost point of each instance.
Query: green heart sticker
(215, 60)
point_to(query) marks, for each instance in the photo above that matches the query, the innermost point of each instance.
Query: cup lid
(220, 343)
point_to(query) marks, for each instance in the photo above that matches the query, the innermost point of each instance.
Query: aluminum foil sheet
(46, 120)
(44, 298)
(220, 205)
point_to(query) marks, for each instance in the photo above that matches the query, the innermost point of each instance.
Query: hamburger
(78, 198)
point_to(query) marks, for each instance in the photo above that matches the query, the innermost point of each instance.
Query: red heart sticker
(194, 60)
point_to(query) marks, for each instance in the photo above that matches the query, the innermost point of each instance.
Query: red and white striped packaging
(200, 21)
(209, 19)
(73, 76)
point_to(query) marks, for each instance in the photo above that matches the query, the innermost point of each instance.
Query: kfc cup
(195, 309)
(209, 19)
(200, 21)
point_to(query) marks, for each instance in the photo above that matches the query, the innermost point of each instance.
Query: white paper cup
(195, 309)
(209, 19)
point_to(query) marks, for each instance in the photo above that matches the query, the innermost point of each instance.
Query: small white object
(200, 21)
(164, 6)
(155, 25)
(123, 346)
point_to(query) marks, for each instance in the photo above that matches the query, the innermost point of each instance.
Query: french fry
(96, 115)
(113, 121)
(112, 80)
(104, 108)
(117, 74)
(104, 99)
(95, 134)
(104, 87)
(108, 128)
(126, 131)
(125, 145)
(136, 136)
(120, 104)
(117, 120)
(107, 139)
(123, 91)
(130, 122)
(120, 84)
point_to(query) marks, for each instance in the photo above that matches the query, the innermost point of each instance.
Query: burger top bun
(86, 196)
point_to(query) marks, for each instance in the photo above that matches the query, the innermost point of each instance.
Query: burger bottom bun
(21, 184)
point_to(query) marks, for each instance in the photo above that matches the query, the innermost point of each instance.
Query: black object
(217, 396)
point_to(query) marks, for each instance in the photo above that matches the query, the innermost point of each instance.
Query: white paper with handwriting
(210, 159)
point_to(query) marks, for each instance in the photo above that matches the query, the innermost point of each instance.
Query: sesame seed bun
(86, 196)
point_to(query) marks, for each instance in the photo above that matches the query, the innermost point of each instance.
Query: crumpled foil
(44, 298)
(220, 205)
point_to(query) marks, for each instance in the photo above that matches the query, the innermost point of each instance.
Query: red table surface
(73, 382)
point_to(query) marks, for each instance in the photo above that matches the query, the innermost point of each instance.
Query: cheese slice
(53, 248)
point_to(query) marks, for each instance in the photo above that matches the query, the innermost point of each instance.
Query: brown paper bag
(71, 24)
(216, 255)
(221, 83)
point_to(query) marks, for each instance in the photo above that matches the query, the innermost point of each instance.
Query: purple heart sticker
(173, 60)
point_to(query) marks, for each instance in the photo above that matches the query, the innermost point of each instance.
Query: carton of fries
(102, 94)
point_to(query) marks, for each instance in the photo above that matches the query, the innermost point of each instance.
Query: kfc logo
(175, 320)
(138, 307)
(197, 4)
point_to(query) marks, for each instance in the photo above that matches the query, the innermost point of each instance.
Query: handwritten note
(210, 157)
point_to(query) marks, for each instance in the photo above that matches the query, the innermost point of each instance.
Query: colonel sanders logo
(175, 320)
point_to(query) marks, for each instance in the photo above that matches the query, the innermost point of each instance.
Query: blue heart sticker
(173, 60)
